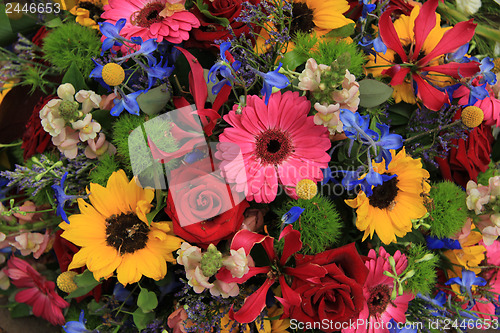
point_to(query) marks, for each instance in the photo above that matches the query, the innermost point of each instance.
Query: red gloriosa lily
(452, 39)
(255, 303)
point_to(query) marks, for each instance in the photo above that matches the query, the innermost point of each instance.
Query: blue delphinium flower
(466, 282)
(224, 68)
(112, 34)
(434, 243)
(62, 198)
(292, 215)
(357, 127)
(127, 102)
(367, 8)
(157, 71)
(146, 49)
(405, 327)
(436, 304)
(485, 70)
(386, 142)
(272, 79)
(77, 326)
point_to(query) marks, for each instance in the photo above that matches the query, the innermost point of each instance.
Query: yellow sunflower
(404, 27)
(88, 12)
(311, 16)
(114, 234)
(392, 206)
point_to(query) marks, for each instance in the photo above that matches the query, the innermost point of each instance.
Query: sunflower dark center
(147, 15)
(95, 11)
(380, 296)
(383, 195)
(273, 146)
(126, 233)
(302, 19)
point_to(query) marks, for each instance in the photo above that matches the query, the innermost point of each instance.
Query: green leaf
(95, 308)
(10, 28)
(141, 319)
(147, 300)
(85, 283)
(154, 100)
(20, 310)
(75, 77)
(373, 93)
(203, 7)
(345, 31)
(54, 23)
(293, 59)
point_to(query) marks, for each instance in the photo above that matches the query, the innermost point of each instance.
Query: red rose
(209, 31)
(201, 205)
(471, 157)
(336, 297)
(35, 139)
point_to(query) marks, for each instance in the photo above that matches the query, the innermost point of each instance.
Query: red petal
(246, 239)
(455, 69)
(424, 23)
(292, 243)
(307, 272)
(253, 306)
(452, 39)
(290, 297)
(432, 98)
(390, 36)
(225, 275)
(197, 85)
(398, 74)
(222, 97)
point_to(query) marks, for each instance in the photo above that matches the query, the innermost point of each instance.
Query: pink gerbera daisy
(160, 19)
(38, 293)
(279, 144)
(379, 308)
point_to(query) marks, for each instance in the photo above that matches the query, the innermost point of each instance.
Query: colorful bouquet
(251, 165)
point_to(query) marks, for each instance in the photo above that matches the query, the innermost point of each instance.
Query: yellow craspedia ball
(113, 74)
(306, 189)
(472, 116)
(496, 62)
(65, 281)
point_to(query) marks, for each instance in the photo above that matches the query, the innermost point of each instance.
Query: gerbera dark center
(383, 195)
(380, 296)
(95, 11)
(126, 233)
(302, 19)
(273, 146)
(148, 15)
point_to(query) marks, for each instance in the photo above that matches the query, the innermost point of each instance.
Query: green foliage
(449, 211)
(424, 264)
(327, 51)
(142, 159)
(72, 43)
(373, 93)
(34, 76)
(484, 177)
(103, 170)
(319, 223)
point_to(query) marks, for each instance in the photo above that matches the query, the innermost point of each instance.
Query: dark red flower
(201, 206)
(35, 139)
(471, 157)
(209, 30)
(275, 272)
(338, 296)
